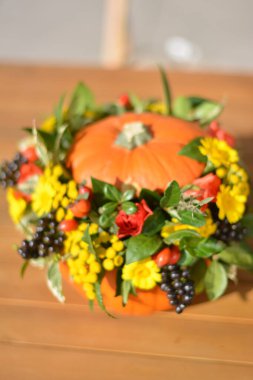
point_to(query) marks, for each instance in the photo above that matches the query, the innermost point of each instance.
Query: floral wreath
(180, 241)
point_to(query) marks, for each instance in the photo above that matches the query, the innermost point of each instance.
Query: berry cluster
(227, 232)
(178, 286)
(10, 171)
(46, 240)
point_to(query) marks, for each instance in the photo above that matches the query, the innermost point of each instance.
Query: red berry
(124, 101)
(85, 190)
(175, 255)
(81, 208)
(163, 257)
(68, 225)
(30, 154)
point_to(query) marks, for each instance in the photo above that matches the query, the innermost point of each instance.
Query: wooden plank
(205, 337)
(31, 362)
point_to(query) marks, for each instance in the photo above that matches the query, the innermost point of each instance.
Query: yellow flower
(218, 152)
(144, 274)
(48, 124)
(231, 204)
(43, 197)
(118, 260)
(157, 107)
(108, 264)
(17, 207)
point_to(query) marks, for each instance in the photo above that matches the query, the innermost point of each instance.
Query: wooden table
(41, 339)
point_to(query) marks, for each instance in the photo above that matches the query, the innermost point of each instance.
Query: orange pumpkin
(142, 150)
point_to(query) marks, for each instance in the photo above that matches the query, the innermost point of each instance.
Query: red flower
(214, 130)
(28, 170)
(208, 186)
(132, 224)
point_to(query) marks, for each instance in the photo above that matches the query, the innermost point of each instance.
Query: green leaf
(105, 220)
(198, 272)
(181, 234)
(54, 280)
(141, 247)
(99, 298)
(151, 197)
(154, 222)
(186, 258)
(48, 139)
(207, 112)
(23, 268)
(108, 208)
(128, 195)
(215, 280)
(247, 222)
(91, 305)
(87, 239)
(112, 193)
(82, 99)
(171, 196)
(137, 103)
(166, 91)
(182, 108)
(40, 147)
(194, 218)
(239, 255)
(191, 150)
(129, 207)
(60, 133)
(207, 247)
(118, 282)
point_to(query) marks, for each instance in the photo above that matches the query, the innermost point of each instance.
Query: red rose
(214, 130)
(28, 170)
(208, 186)
(132, 224)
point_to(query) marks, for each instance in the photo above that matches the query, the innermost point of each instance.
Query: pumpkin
(138, 149)
(141, 150)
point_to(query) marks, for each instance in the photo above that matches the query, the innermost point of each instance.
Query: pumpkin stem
(132, 135)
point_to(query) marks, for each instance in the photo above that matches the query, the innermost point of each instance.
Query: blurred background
(216, 35)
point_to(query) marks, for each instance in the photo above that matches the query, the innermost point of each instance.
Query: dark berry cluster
(179, 287)
(10, 171)
(46, 240)
(228, 232)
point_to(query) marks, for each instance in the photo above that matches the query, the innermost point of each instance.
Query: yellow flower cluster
(205, 231)
(144, 274)
(17, 206)
(233, 194)
(218, 152)
(83, 265)
(51, 194)
(109, 249)
(157, 107)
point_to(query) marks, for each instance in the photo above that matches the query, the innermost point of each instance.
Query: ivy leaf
(207, 247)
(154, 222)
(129, 207)
(100, 300)
(215, 280)
(151, 197)
(54, 280)
(112, 193)
(82, 99)
(23, 268)
(239, 255)
(171, 196)
(181, 234)
(207, 112)
(198, 272)
(141, 247)
(194, 218)
(128, 195)
(191, 150)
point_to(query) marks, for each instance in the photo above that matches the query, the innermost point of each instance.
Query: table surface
(40, 338)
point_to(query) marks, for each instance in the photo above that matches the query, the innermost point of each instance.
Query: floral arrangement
(152, 248)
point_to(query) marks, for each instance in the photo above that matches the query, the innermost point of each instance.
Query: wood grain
(40, 338)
